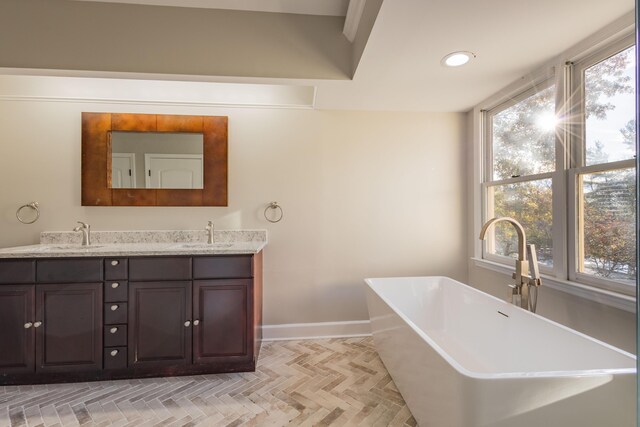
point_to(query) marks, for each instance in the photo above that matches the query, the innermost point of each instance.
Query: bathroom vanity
(110, 311)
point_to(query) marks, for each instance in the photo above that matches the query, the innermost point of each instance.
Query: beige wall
(609, 324)
(364, 194)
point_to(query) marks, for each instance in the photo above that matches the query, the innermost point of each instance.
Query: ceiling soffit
(116, 37)
(303, 7)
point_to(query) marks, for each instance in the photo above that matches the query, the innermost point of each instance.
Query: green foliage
(609, 223)
(530, 204)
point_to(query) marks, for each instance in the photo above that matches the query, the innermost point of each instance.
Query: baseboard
(306, 331)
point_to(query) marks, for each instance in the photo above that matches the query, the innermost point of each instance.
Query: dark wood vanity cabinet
(50, 328)
(222, 321)
(160, 332)
(69, 335)
(128, 317)
(17, 314)
(193, 311)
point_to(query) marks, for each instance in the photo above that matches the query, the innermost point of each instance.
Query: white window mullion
(560, 225)
(572, 224)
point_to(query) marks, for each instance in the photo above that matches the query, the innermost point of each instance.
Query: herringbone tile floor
(333, 382)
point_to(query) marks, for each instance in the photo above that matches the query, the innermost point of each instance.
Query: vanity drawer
(159, 268)
(116, 290)
(115, 358)
(18, 271)
(69, 270)
(115, 268)
(223, 267)
(115, 335)
(115, 313)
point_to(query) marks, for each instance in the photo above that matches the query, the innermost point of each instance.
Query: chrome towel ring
(32, 205)
(276, 207)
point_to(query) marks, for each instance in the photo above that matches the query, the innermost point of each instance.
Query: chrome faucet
(527, 276)
(86, 232)
(210, 230)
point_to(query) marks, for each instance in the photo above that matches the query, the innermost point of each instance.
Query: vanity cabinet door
(223, 316)
(159, 324)
(17, 339)
(69, 327)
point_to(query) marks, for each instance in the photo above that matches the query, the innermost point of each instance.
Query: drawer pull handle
(196, 322)
(115, 262)
(114, 307)
(115, 285)
(114, 353)
(37, 324)
(113, 330)
(187, 324)
(28, 325)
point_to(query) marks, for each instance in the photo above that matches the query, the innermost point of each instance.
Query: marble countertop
(141, 243)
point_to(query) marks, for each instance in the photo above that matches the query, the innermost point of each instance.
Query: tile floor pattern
(332, 382)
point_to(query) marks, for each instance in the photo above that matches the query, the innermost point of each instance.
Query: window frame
(566, 71)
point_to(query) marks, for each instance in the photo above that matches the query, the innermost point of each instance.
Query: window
(521, 142)
(604, 174)
(564, 166)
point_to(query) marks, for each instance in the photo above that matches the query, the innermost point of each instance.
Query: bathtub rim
(506, 375)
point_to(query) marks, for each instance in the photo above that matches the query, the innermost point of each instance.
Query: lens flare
(547, 121)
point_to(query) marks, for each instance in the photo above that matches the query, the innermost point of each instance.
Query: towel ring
(274, 206)
(32, 205)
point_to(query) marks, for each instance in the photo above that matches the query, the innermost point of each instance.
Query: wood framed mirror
(97, 179)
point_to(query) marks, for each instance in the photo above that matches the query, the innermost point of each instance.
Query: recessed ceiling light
(456, 59)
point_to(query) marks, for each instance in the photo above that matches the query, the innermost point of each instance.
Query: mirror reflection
(156, 160)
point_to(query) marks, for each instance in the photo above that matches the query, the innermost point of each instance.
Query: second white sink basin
(201, 245)
(69, 247)
(53, 248)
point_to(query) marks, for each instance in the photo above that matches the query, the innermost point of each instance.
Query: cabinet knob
(114, 307)
(115, 285)
(113, 330)
(187, 324)
(37, 324)
(28, 325)
(114, 353)
(115, 262)
(196, 322)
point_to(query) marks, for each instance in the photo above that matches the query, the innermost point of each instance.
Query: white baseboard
(305, 331)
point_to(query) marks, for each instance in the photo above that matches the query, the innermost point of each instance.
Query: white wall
(364, 194)
(609, 324)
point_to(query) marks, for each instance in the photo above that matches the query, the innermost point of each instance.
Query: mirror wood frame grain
(96, 160)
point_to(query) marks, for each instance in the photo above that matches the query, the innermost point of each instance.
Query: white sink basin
(201, 245)
(69, 247)
(44, 248)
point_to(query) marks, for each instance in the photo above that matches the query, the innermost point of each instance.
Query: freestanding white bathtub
(462, 358)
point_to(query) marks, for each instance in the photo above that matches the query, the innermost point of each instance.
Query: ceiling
(305, 7)
(400, 69)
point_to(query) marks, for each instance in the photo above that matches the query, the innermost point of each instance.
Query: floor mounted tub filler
(463, 358)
